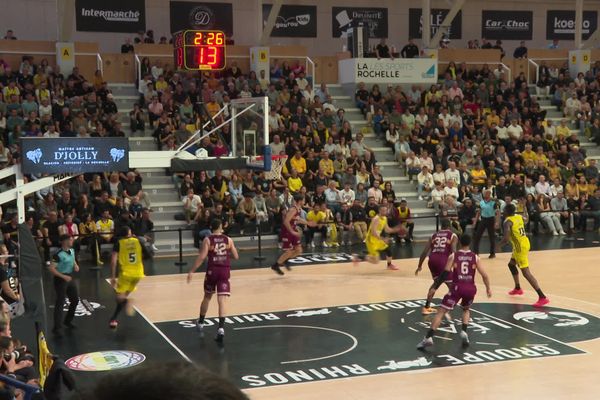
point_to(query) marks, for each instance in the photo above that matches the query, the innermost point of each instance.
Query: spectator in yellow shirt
(529, 156)
(326, 164)
(478, 176)
(319, 217)
(298, 163)
(563, 128)
(294, 182)
(492, 118)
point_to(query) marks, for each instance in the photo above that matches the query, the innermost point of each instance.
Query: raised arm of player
(233, 250)
(200, 259)
(423, 256)
(484, 276)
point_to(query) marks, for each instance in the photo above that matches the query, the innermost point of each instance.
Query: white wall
(37, 19)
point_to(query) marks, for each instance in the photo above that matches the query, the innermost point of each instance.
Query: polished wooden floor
(569, 277)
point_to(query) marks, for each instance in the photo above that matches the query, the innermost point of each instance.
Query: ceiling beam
(266, 32)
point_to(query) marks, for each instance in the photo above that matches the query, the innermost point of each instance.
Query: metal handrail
(138, 63)
(100, 63)
(537, 70)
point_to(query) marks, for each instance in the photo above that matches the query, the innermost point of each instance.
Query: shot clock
(199, 50)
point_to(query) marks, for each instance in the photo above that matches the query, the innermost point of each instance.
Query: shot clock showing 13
(199, 50)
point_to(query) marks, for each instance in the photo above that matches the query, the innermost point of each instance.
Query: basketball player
(438, 249)
(514, 232)
(127, 252)
(462, 265)
(218, 248)
(375, 243)
(291, 235)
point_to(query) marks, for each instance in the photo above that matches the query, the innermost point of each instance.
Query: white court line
(443, 338)
(177, 349)
(528, 330)
(401, 320)
(354, 340)
(410, 312)
(488, 344)
(413, 329)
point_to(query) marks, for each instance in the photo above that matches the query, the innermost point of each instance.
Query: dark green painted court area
(298, 346)
(343, 341)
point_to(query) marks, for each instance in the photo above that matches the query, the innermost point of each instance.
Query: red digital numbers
(207, 55)
(201, 50)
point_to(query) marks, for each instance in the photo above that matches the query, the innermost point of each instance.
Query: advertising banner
(560, 24)
(74, 155)
(507, 25)
(374, 19)
(201, 16)
(110, 16)
(293, 21)
(415, 22)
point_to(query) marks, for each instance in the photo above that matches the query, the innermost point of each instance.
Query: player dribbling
(219, 249)
(463, 265)
(376, 243)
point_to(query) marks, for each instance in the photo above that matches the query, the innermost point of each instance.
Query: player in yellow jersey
(514, 232)
(127, 252)
(375, 243)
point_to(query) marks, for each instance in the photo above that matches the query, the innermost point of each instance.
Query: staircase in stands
(165, 195)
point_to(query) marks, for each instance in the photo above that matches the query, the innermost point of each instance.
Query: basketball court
(339, 331)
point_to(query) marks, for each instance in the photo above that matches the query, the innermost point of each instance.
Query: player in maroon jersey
(291, 235)
(439, 247)
(463, 264)
(218, 249)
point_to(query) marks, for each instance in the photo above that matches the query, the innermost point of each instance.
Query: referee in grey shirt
(488, 217)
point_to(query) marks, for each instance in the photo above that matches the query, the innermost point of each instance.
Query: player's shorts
(289, 241)
(374, 246)
(459, 293)
(521, 255)
(216, 281)
(127, 284)
(437, 265)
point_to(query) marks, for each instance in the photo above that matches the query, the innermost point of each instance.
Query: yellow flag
(44, 358)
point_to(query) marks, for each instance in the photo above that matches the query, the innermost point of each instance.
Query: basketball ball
(401, 230)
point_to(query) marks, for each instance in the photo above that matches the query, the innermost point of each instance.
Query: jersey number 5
(132, 258)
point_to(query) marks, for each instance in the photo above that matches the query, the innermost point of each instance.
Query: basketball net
(277, 162)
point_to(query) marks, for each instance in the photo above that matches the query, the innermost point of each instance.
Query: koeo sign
(75, 155)
(371, 70)
(415, 22)
(507, 25)
(560, 24)
(110, 16)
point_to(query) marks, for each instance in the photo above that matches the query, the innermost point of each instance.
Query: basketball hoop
(277, 162)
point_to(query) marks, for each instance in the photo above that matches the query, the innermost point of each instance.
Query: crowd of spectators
(476, 131)
(37, 100)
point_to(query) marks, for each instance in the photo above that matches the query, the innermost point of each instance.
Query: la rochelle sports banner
(110, 16)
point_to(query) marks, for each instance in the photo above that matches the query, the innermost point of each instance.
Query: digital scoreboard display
(199, 50)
